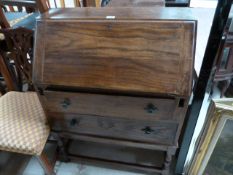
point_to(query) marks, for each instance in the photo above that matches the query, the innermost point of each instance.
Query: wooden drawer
(135, 130)
(110, 106)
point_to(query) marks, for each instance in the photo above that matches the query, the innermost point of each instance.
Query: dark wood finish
(137, 70)
(3, 21)
(89, 3)
(117, 142)
(177, 3)
(7, 75)
(18, 51)
(119, 157)
(42, 5)
(150, 109)
(127, 73)
(30, 5)
(128, 154)
(19, 44)
(48, 167)
(135, 3)
(134, 130)
(116, 165)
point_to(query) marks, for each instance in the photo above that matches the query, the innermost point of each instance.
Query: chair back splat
(17, 55)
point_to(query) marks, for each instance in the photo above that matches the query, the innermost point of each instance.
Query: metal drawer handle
(65, 103)
(148, 130)
(73, 122)
(150, 108)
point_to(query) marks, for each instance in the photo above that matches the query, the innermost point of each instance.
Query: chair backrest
(45, 5)
(17, 56)
(7, 75)
(19, 5)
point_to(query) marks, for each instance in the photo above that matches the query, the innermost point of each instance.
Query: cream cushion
(23, 124)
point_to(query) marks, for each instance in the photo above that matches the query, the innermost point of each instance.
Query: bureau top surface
(118, 49)
(127, 13)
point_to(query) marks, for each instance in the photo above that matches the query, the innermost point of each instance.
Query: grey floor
(34, 168)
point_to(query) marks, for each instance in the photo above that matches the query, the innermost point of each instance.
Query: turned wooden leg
(47, 166)
(226, 86)
(167, 164)
(61, 147)
(170, 152)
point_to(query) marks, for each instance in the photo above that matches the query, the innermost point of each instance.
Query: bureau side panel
(39, 52)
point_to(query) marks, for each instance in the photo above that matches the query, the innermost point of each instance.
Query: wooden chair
(16, 68)
(17, 50)
(16, 46)
(19, 5)
(45, 5)
(24, 128)
(3, 21)
(3, 24)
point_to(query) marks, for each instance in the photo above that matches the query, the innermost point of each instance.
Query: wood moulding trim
(119, 142)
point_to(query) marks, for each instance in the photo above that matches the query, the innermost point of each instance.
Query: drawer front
(135, 130)
(110, 106)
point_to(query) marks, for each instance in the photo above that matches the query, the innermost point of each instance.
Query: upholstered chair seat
(23, 124)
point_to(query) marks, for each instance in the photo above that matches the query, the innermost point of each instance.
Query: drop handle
(66, 103)
(147, 130)
(73, 122)
(150, 108)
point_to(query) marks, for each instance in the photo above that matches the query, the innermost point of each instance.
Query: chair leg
(47, 166)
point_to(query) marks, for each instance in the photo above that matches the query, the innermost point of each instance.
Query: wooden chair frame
(30, 5)
(3, 21)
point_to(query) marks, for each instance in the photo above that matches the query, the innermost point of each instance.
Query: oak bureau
(115, 82)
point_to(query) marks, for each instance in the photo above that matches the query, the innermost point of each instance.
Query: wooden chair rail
(18, 5)
(3, 21)
(8, 78)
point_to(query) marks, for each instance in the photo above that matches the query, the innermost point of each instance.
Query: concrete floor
(34, 168)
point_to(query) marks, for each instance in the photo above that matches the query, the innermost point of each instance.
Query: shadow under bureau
(115, 83)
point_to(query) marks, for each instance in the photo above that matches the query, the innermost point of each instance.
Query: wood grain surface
(126, 55)
(140, 108)
(134, 130)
